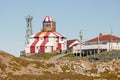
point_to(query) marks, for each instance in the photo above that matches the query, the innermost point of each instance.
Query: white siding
(48, 49)
(74, 43)
(27, 49)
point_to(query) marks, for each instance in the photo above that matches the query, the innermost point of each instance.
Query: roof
(74, 45)
(47, 34)
(69, 42)
(47, 19)
(108, 37)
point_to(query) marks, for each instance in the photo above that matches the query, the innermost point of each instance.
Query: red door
(42, 49)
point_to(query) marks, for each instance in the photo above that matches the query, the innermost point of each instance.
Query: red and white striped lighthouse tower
(47, 40)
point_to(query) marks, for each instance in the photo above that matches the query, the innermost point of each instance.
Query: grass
(93, 71)
(16, 63)
(5, 54)
(103, 57)
(15, 66)
(62, 76)
(108, 75)
(64, 68)
(2, 66)
(49, 65)
(22, 62)
(38, 64)
(70, 55)
(45, 56)
(49, 76)
(46, 72)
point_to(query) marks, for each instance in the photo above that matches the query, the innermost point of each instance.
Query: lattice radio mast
(29, 29)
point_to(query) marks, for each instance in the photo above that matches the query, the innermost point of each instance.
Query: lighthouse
(47, 40)
(49, 24)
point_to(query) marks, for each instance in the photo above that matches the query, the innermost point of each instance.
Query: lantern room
(49, 24)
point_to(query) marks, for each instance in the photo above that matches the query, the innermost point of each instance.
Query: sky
(72, 16)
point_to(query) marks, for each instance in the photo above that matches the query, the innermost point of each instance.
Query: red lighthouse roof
(105, 38)
(47, 19)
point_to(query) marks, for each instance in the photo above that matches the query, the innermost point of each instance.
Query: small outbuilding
(74, 45)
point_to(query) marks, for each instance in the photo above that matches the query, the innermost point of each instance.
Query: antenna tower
(29, 29)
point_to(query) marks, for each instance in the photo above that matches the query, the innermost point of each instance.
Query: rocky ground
(13, 68)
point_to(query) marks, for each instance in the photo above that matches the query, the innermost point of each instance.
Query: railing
(94, 47)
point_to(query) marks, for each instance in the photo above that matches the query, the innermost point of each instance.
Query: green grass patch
(70, 55)
(45, 56)
(103, 57)
(41, 64)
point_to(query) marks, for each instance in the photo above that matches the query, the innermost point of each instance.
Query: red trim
(32, 47)
(42, 49)
(105, 38)
(47, 19)
(42, 46)
(74, 45)
(37, 35)
(59, 46)
(56, 34)
(60, 35)
(69, 42)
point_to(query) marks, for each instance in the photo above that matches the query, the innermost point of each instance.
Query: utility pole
(81, 36)
(99, 43)
(29, 29)
(111, 39)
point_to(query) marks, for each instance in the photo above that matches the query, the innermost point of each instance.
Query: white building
(102, 43)
(99, 44)
(47, 40)
(74, 45)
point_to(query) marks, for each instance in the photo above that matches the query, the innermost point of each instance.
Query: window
(46, 38)
(57, 39)
(37, 47)
(104, 42)
(41, 38)
(47, 24)
(62, 38)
